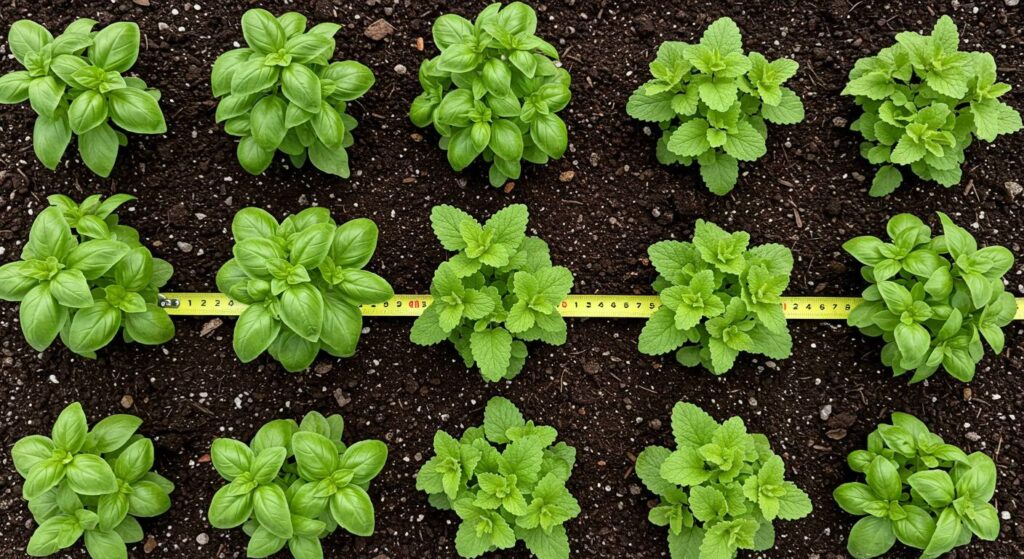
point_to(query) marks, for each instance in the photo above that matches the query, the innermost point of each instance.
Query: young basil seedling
(711, 101)
(720, 489)
(506, 482)
(924, 102)
(92, 483)
(493, 91)
(282, 93)
(718, 299)
(75, 85)
(303, 283)
(83, 276)
(932, 300)
(499, 292)
(295, 484)
(925, 493)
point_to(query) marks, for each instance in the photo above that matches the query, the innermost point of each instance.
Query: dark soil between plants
(597, 390)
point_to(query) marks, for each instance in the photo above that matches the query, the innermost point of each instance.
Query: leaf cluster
(90, 482)
(499, 292)
(281, 92)
(83, 276)
(932, 299)
(494, 91)
(506, 482)
(294, 484)
(924, 102)
(303, 282)
(712, 101)
(720, 489)
(75, 85)
(925, 493)
(718, 298)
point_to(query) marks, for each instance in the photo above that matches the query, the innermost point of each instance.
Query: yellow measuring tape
(576, 306)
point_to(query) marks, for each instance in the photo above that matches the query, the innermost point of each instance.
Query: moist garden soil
(599, 208)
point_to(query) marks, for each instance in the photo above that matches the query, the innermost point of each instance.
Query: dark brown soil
(604, 398)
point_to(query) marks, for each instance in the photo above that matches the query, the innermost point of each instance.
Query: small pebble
(973, 437)
(826, 412)
(184, 247)
(202, 539)
(400, 69)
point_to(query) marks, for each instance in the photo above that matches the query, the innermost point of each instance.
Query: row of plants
(295, 483)
(494, 93)
(935, 300)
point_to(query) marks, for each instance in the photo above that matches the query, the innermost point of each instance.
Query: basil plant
(75, 85)
(932, 299)
(83, 277)
(281, 92)
(303, 282)
(295, 484)
(92, 483)
(918, 490)
(494, 92)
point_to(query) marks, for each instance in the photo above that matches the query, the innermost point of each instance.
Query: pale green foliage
(295, 484)
(282, 93)
(918, 490)
(711, 102)
(83, 276)
(90, 483)
(499, 292)
(75, 85)
(506, 482)
(303, 281)
(493, 91)
(932, 299)
(718, 299)
(924, 102)
(720, 489)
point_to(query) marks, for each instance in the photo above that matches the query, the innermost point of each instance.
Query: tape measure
(575, 306)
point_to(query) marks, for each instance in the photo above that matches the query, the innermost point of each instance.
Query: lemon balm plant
(712, 102)
(506, 482)
(918, 490)
(494, 91)
(499, 292)
(281, 92)
(76, 86)
(932, 299)
(924, 102)
(720, 490)
(90, 483)
(719, 298)
(294, 484)
(303, 282)
(83, 276)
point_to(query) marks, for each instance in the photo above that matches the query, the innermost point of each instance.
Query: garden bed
(598, 208)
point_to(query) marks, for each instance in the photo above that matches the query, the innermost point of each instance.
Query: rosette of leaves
(303, 282)
(711, 102)
(924, 102)
(499, 292)
(295, 484)
(83, 276)
(92, 483)
(281, 92)
(494, 92)
(718, 299)
(919, 491)
(506, 482)
(720, 490)
(75, 85)
(932, 299)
